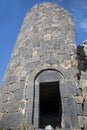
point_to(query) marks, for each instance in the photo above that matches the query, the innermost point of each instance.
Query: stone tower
(40, 85)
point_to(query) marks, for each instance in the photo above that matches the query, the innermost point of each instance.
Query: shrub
(23, 125)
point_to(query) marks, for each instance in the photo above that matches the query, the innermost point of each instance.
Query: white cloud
(83, 24)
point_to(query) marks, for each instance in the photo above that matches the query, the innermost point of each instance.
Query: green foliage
(1, 127)
(23, 125)
(32, 127)
(57, 128)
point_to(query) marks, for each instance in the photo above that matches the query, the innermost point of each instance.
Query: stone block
(29, 92)
(63, 90)
(66, 113)
(66, 64)
(34, 59)
(78, 129)
(52, 61)
(66, 129)
(67, 57)
(72, 89)
(79, 99)
(80, 121)
(10, 79)
(79, 109)
(83, 76)
(68, 88)
(74, 63)
(79, 92)
(72, 72)
(85, 107)
(36, 113)
(85, 92)
(18, 94)
(34, 53)
(73, 111)
(12, 120)
(17, 85)
(83, 83)
(30, 112)
(47, 37)
(10, 96)
(3, 107)
(3, 97)
(85, 123)
(13, 106)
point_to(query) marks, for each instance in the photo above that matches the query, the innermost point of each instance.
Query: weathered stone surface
(73, 112)
(10, 79)
(83, 83)
(68, 88)
(79, 109)
(45, 44)
(63, 90)
(85, 123)
(66, 115)
(11, 120)
(13, 107)
(18, 94)
(29, 92)
(29, 112)
(85, 107)
(3, 97)
(3, 107)
(79, 99)
(85, 92)
(80, 121)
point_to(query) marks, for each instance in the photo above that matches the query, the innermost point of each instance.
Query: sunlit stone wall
(45, 42)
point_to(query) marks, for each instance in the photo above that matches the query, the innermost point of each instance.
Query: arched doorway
(47, 99)
(50, 108)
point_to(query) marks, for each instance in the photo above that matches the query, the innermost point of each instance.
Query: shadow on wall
(82, 58)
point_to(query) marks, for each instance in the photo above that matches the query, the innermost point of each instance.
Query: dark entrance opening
(50, 109)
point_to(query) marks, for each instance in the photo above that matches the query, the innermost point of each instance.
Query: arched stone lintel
(40, 69)
(48, 75)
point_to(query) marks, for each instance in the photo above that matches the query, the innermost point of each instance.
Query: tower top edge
(45, 5)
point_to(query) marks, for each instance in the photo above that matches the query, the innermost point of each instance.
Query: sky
(12, 13)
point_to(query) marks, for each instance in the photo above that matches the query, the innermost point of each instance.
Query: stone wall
(82, 75)
(45, 42)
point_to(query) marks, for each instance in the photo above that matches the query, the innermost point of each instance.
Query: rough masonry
(45, 54)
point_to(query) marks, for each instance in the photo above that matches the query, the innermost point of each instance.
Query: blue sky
(12, 13)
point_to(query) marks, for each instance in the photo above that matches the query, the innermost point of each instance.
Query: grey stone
(68, 88)
(72, 90)
(45, 51)
(67, 57)
(85, 107)
(12, 120)
(29, 111)
(18, 94)
(10, 79)
(63, 90)
(3, 107)
(85, 123)
(73, 111)
(3, 97)
(79, 109)
(66, 114)
(13, 106)
(29, 92)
